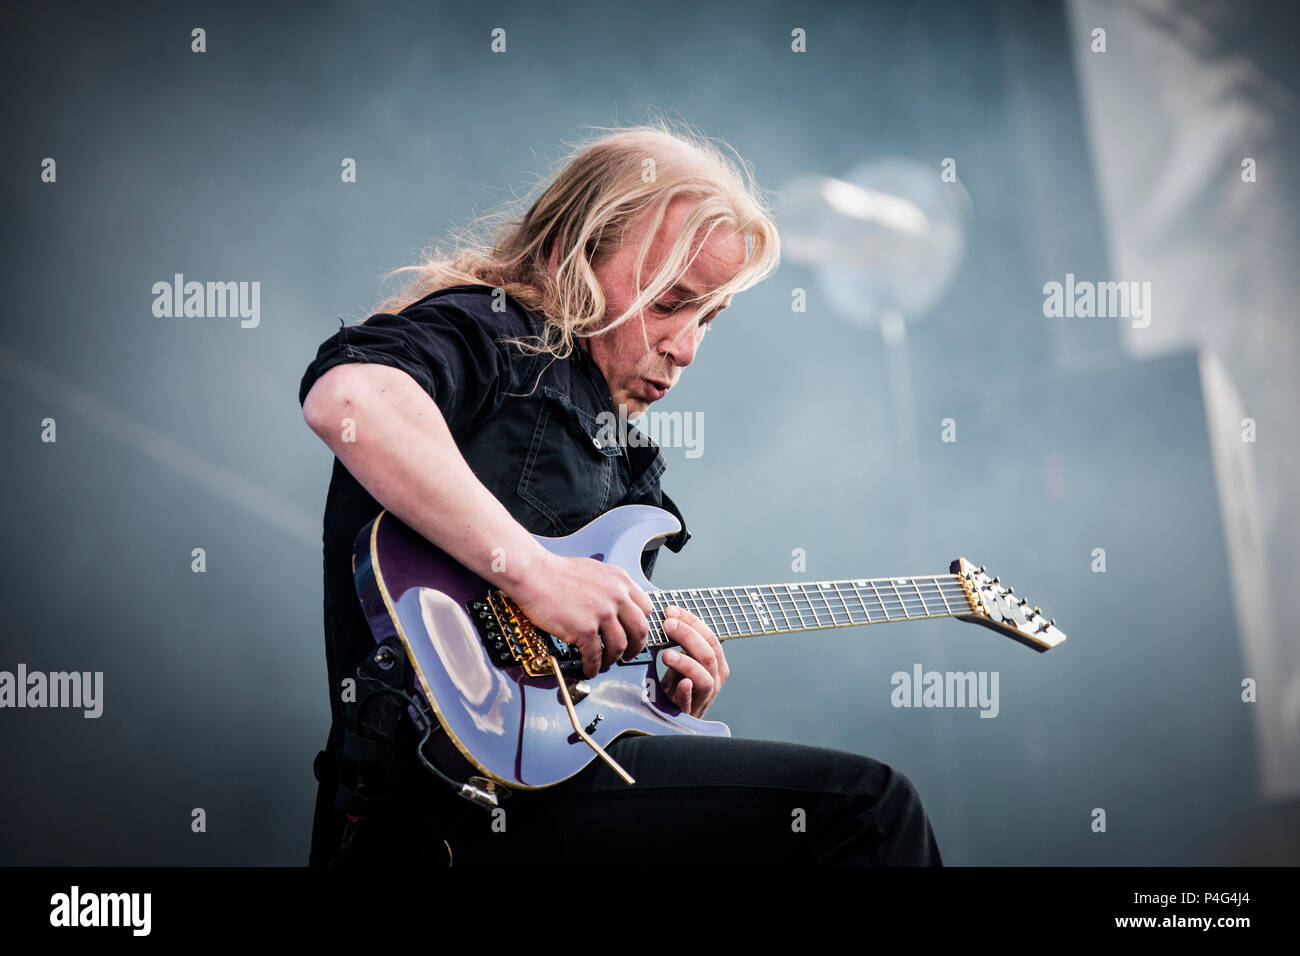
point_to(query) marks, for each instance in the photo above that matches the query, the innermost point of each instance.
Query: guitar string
(901, 606)
(911, 600)
(736, 611)
(805, 600)
(807, 592)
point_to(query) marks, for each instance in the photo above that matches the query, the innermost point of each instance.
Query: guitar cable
(426, 722)
(371, 733)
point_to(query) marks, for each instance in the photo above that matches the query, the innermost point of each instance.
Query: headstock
(995, 605)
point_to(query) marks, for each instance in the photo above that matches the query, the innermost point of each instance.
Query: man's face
(638, 376)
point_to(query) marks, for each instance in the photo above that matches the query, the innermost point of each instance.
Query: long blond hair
(586, 210)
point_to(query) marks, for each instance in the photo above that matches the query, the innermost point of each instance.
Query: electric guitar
(510, 700)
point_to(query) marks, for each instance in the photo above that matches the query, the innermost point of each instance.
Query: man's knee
(892, 806)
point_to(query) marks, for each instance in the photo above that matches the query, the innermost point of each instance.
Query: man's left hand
(697, 668)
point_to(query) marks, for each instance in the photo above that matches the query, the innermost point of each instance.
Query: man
(473, 415)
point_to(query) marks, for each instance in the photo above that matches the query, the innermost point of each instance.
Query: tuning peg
(995, 580)
(1024, 601)
(981, 569)
(1052, 622)
(1035, 610)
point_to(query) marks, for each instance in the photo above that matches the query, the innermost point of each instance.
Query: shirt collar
(646, 461)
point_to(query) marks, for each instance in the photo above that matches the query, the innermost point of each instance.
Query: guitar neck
(813, 606)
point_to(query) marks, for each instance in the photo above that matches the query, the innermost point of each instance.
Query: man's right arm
(404, 455)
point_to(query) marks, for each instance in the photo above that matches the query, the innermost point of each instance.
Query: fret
(689, 600)
(908, 612)
(925, 610)
(739, 605)
(920, 593)
(751, 611)
(736, 611)
(768, 600)
(902, 605)
(826, 603)
(776, 596)
(942, 597)
(857, 593)
(938, 589)
(721, 628)
(812, 608)
(683, 600)
(824, 593)
(735, 621)
(657, 636)
(737, 625)
(876, 592)
(807, 605)
(792, 590)
(725, 608)
(698, 609)
(761, 612)
(710, 613)
(839, 594)
(829, 591)
(820, 591)
(672, 597)
(906, 616)
(758, 607)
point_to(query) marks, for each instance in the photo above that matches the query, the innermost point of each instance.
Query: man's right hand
(584, 602)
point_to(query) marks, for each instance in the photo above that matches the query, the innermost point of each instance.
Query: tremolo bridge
(513, 641)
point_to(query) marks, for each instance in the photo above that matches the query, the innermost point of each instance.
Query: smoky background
(822, 427)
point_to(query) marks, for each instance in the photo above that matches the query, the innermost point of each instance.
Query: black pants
(697, 800)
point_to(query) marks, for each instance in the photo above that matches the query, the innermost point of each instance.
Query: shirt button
(596, 442)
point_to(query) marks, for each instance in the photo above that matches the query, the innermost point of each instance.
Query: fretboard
(781, 608)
